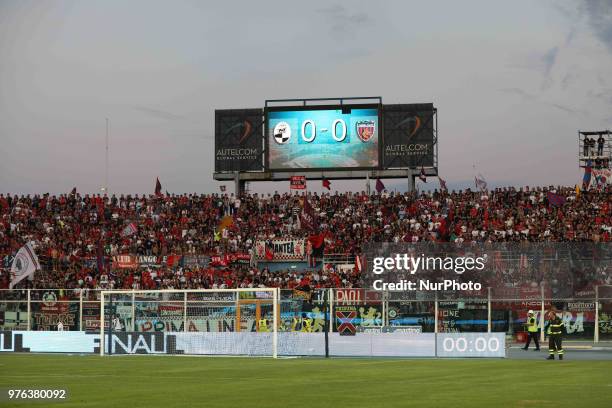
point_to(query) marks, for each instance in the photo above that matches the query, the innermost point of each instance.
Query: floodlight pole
(106, 161)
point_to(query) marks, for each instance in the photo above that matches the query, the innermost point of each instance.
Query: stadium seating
(77, 236)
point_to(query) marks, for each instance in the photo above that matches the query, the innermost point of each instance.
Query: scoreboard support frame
(241, 178)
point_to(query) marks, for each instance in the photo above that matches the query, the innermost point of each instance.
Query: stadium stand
(77, 236)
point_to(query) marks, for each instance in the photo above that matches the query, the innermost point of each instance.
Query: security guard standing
(263, 324)
(532, 331)
(555, 332)
(306, 324)
(296, 324)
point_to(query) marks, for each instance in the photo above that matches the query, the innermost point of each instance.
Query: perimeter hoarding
(323, 137)
(409, 136)
(367, 344)
(239, 140)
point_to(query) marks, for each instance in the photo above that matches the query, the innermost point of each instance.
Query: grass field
(162, 381)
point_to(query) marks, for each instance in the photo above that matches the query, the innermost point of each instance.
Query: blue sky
(513, 82)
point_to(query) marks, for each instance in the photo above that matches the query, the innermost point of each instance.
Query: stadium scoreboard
(332, 140)
(322, 137)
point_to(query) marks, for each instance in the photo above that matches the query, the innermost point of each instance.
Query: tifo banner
(125, 261)
(227, 259)
(346, 320)
(409, 135)
(280, 249)
(238, 140)
(46, 314)
(154, 261)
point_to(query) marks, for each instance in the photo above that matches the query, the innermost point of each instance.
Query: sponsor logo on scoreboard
(238, 140)
(243, 125)
(411, 119)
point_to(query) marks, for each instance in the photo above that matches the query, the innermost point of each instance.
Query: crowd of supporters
(69, 229)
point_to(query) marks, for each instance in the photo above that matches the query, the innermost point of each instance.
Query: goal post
(190, 321)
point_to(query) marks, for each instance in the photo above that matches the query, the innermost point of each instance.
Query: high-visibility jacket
(296, 324)
(263, 325)
(532, 324)
(556, 326)
(306, 325)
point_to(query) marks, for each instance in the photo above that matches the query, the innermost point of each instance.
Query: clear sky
(513, 81)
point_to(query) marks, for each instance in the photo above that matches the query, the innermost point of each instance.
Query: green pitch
(165, 381)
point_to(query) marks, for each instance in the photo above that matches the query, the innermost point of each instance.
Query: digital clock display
(471, 345)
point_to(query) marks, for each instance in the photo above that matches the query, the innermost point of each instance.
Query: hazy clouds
(513, 81)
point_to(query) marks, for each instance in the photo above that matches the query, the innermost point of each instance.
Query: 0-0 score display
(322, 138)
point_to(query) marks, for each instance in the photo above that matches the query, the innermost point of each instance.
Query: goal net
(199, 322)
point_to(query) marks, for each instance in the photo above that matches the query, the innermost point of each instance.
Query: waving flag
(307, 216)
(360, 263)
(602, 177)
(442, 184)
(326, 183)
(480, 182)
(129, 230)
(269, 253)
(422, 176)
(586, 179)
(556, 200)
(158, 187)
(24, 265)
(379, 186)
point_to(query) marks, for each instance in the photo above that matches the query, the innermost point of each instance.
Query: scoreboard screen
(316, 137)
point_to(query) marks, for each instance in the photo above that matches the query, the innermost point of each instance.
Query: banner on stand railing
(280, 249)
